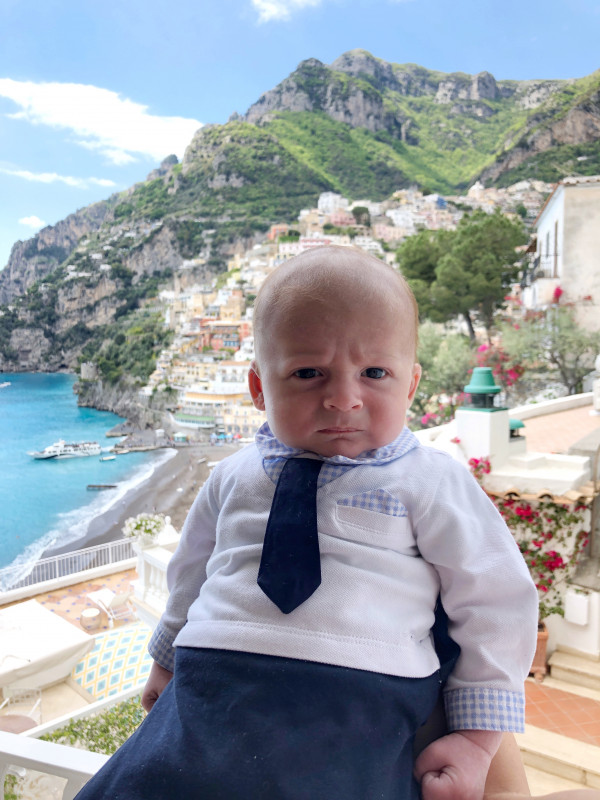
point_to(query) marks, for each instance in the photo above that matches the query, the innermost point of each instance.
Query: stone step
(558, 755)
(575, 669)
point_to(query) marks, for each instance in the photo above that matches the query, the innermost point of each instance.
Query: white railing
(150, 590)
(56, 567)
(74, 766)
(55, 763)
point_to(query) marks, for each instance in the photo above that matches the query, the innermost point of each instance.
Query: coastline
(170, 490)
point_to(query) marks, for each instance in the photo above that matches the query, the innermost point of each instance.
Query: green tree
(361, 216)
(521, 211)
(418, 257)
(463, 272)
(447, 360)
(554, 339)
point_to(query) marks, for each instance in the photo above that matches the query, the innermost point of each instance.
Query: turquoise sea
(46, 503)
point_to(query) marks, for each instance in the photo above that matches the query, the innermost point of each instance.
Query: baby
(323, 701)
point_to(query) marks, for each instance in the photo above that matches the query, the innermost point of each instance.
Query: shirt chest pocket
(374, 520)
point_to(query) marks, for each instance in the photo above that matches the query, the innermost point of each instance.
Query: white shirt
(394, 531)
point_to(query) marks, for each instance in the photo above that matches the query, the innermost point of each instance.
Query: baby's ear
(416, 377)
(255, 386)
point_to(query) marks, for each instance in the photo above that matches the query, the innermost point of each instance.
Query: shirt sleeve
(186, 573)
(490, 599)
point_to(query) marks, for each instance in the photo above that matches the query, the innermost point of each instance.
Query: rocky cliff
(578, 125)
(364, 101)
(123, 399)
(35, 258)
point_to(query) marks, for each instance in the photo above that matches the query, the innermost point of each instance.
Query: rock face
(317, 87)
(90, 305)
(158, 252)
(358, 89)
(164, 169)
(32, 260)
(467, 87)
(579, 125)
(124, 401)
(32, 347)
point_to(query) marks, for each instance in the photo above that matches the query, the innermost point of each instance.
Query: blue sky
(94, 94)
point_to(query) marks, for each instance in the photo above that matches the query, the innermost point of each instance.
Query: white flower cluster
(143, 525)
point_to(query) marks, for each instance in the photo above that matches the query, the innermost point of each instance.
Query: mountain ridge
(361, 126)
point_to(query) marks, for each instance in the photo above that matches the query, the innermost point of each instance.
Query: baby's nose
(342, 395)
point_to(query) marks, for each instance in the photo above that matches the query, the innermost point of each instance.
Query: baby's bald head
(339, 279)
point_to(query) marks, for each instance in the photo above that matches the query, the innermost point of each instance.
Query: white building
(567, 251)
(329, 202)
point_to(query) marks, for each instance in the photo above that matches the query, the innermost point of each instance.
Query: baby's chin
(340, 447)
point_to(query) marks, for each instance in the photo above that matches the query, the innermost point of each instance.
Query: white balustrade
(19, 581)
(150, 590)
(71, 764)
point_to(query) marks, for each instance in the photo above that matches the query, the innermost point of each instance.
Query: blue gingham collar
(271, 448)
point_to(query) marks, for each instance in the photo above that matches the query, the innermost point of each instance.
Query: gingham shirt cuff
(161, 648)
(484, 709)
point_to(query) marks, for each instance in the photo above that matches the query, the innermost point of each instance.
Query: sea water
(46, 503)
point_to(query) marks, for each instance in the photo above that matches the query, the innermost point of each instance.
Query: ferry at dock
(62, 449)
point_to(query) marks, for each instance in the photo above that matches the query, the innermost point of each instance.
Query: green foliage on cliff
(190, 237)
(151, 199)
(554, 164)
(9, 321)
(128, 347)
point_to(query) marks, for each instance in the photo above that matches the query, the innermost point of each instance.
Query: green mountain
(365, 128)
(361, 126)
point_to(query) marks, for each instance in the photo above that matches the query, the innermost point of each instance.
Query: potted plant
(145, 528)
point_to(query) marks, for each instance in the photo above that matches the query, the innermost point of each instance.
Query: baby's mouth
(341, 429)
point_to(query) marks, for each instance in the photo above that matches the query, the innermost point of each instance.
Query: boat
(100, 486)
(62, 449)
(4, 384)
(107, 458)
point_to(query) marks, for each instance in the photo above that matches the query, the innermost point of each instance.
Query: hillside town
(207, 363)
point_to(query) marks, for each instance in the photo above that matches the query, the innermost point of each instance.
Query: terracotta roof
(583, 495)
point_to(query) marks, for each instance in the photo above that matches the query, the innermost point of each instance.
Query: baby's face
(335, 385)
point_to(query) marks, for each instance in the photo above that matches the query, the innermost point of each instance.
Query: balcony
(62, 768)
(56, 771)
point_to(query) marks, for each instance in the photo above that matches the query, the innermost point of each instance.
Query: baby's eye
(374, 372)
(306, 373)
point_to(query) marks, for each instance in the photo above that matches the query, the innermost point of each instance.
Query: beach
(170, 490)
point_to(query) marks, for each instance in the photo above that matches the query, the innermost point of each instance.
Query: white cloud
(112, 154)
(101, 119)
(53, 177)
(32, 222)
(280, 9)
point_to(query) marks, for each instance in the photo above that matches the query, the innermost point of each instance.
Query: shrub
(101, 733)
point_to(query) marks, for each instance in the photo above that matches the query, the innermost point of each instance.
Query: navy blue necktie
(290, 566)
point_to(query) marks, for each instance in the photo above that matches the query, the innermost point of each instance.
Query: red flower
(557, 294)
